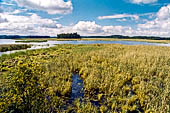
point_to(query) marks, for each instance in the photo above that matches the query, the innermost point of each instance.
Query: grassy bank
(10, 47)
(120, 78)
(30, 41)
(138, 40)
(102, 39)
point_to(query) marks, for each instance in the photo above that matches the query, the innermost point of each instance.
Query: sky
(86, 17)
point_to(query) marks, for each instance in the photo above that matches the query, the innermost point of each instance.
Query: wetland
(86, 78)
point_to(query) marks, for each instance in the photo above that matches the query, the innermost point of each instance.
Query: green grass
(121, 78)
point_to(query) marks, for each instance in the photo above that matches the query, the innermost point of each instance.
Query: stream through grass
(77, 91)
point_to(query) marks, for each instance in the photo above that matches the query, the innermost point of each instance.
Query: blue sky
(87, 17)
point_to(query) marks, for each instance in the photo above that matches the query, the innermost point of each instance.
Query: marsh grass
(138, 40)
(99, 39)
(10, 47)
(120, 78)
(30, 41)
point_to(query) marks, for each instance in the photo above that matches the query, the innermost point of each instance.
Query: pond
(52, 43)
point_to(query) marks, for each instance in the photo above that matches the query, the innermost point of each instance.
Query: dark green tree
(69, 36)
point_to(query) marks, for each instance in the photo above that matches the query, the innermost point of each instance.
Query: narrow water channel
(77, 91)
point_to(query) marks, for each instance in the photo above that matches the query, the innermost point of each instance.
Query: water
(35, 45)
(10, 41)
(52, 43)
(77, 91)
(77, 88)
(32, 48)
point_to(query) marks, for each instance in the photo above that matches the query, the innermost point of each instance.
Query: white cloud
(26, 25)
(117, 30)
(164, 13)
(50, 6)
(118, 16)
(34, 19)
(8, 3)
(87, 26)
(122, 20)
(2, 20)
(36, 25)
(90, 27)
(16, 11)
(143, 1)
(160, 25)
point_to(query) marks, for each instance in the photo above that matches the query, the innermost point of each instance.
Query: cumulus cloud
(49, 6)
(143, 1)
(26, 25)
(160, 25)
(87, 26)
(16, 11)
(117, 30)
(119, 16)
(90, 27)
(2, 20)
(34, 19)
(6, 3)
(36, 25)
(164, 13)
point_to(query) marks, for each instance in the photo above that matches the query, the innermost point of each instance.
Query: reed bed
(119, 78)
(30, 41)
(10, 47)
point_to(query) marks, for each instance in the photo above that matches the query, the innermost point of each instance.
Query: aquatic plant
(116, 78)
(10, 47)
(30, 41)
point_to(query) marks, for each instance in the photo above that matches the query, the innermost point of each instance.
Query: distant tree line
(130, 37)
(18, 37)
(69, 35)
(75, 35)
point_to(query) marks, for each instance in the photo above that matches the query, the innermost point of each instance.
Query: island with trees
(69, 36)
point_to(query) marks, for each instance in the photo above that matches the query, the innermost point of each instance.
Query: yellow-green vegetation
(10, 47)
(29, 41)
(100, 39)
(138, 40)
(120, 78)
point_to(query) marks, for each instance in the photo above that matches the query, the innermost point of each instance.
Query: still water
(52, 43)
